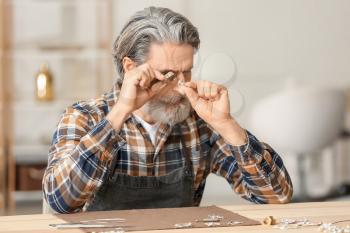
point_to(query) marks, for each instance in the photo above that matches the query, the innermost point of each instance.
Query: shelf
(28, 196)
(67, 53)
(55, 3)
(74, 37)
(61, 46)
(61, 25)
(31, 154)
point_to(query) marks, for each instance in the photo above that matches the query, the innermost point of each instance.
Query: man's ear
(128, 64)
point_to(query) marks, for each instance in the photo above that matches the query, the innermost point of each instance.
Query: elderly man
(153, 139)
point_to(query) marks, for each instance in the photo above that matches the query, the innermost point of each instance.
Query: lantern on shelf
(44, 84)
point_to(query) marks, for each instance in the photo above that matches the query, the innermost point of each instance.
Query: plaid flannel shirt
(85, 143)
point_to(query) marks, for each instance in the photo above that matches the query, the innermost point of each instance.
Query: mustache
(171, 99)
(169, 113)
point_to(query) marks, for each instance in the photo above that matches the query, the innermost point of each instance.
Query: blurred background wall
(257, 48)
(275, 46)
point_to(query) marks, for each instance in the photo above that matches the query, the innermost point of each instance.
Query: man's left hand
(209, 100)
(212, 104)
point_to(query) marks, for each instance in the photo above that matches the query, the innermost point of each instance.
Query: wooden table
(317, 211)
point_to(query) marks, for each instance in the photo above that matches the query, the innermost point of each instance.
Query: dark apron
(122, 191)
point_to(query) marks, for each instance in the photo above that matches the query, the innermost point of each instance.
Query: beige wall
(271, 41)
(274, 44)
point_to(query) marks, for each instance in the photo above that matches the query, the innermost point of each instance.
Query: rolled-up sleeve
(254, 171)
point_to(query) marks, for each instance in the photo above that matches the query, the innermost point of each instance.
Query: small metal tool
(82, 225)
(101, 220)
(169, 76)
(212, 224)
(183, 225)
(208, 220)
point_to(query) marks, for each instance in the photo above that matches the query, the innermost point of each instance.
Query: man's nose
(179, 78)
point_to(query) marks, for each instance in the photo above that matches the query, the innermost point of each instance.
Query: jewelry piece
(111, 219)
(212, 224)
(181, 82)
(233, 223)
(117, 230)
(208, 220)
(170, 76)
(331, 228)
(215, 217)
(83, 225)
(286, 223)
(75, 225)
(270, 220)
(104, 220)
(183, 225)
(211, 218)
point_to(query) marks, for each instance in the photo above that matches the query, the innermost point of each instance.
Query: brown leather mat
(157, 219)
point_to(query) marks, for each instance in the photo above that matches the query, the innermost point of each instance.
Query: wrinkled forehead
(171, 56)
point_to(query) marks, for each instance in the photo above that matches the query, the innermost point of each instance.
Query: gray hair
(153, 24)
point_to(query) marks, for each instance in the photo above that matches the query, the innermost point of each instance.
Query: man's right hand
(136, 90)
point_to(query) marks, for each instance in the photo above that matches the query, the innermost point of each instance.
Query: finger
(204, 89)
(200, 89)
(157, 87)
(147, 75)
(192, 95)
(159, 75)
(133, 77)
(223, 92)
(214, 91)
(192, 85)
(207, 89)
(197, 103)
(182, 85)
(151, 72)
(147, 72)
(152, 76)
(144, 80)
(136, 81)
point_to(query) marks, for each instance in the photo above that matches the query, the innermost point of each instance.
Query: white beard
(167, 110)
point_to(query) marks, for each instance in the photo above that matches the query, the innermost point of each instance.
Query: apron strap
(186, 151)
(114, 161)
